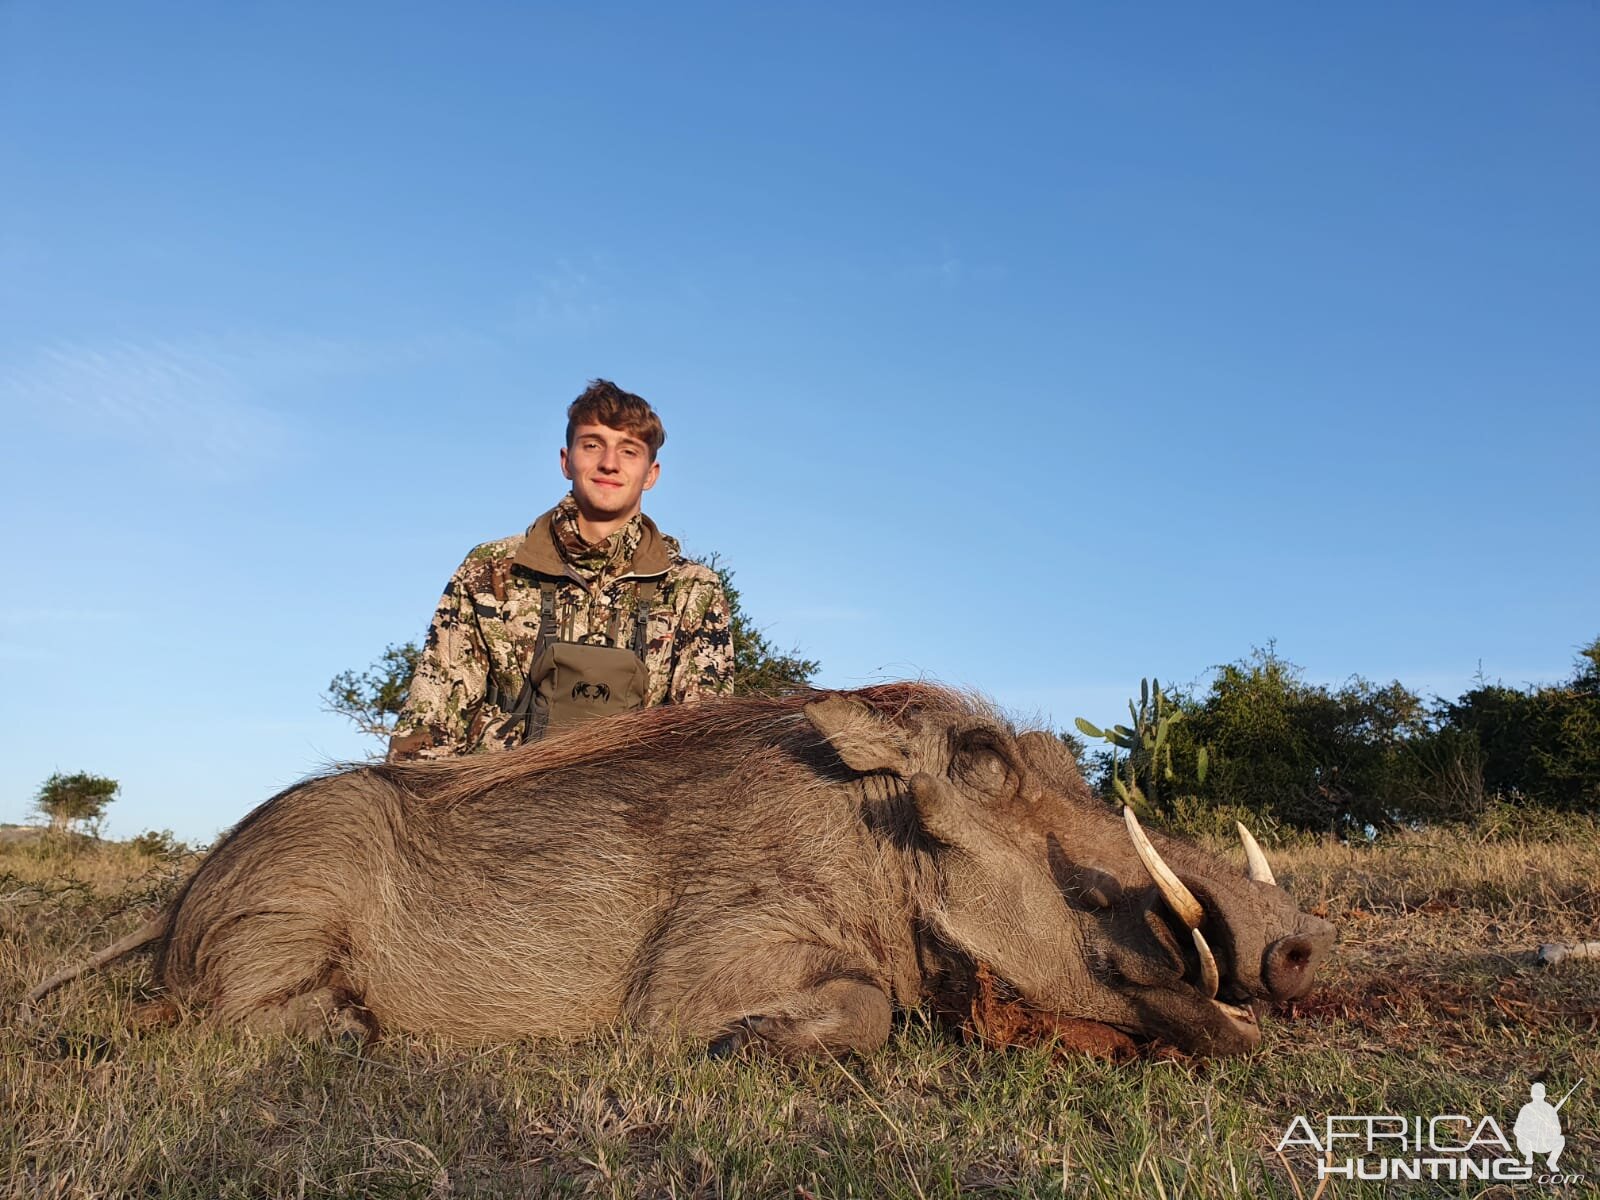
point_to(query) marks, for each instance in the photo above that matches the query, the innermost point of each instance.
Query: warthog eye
(982, 764)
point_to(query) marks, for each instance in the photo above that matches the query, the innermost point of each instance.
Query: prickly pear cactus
(1137, 778)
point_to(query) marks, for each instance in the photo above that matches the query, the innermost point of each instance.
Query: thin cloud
(186, 403)
(572, 298)
(950, 269)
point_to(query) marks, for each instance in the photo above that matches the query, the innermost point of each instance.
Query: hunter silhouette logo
(584, 690)
(1538, 1127)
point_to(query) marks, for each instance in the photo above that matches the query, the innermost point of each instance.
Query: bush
(1212, 823)
(1540, 743)
(1513, 818)
(1303, 755)
(159, 843)
(1282, 752)
(1449, 776)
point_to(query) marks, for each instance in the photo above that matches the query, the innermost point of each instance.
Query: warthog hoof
(736, 1039)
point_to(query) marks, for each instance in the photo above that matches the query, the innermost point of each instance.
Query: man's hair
(604, 403)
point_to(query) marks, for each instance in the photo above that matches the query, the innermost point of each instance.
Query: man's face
(610, 470)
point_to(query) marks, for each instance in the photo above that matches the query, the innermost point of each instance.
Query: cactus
(1136, 777)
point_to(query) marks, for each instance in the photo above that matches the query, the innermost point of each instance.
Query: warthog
(781, 871)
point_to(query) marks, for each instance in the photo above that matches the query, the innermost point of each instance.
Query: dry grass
(1432, 1004)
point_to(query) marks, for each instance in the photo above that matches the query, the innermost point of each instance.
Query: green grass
(1431, 1005)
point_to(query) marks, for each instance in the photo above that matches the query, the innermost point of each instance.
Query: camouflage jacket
(488, 621)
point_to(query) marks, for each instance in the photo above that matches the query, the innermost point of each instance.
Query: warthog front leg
(838, 1016)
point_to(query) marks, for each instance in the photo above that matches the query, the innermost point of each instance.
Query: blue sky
(1032, 348)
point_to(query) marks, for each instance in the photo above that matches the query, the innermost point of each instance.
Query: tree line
(1262, 743)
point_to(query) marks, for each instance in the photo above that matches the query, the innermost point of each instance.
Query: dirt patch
(1412, 1008)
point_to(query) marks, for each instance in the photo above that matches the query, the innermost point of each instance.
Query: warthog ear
(863, 740)
(941, 807)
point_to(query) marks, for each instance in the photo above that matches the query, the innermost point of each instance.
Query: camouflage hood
(554, 546)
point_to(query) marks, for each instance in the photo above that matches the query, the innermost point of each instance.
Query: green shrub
(1513, 818)
(158, 843)
(1266, 747)
(1359, 759)
(1303, 755)
(1212, 822)
(1541, 743)
(1448, 763)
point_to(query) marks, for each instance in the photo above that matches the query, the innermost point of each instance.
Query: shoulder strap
(547, 616)
(644, 596)
(523, 706)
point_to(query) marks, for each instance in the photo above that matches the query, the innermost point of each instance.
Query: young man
(590, 612)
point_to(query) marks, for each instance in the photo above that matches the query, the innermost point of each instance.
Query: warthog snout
(1290, 963)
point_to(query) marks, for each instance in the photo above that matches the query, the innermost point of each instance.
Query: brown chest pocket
(574, 683)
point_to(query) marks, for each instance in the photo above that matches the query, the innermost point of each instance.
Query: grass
(1431, 1005)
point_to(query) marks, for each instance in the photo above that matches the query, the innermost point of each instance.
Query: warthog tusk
(1260, 871)
(1210, 980)
(1179, 898)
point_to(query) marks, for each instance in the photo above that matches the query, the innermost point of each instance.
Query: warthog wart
(785, 871)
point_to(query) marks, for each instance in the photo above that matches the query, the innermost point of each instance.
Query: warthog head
(1073, 905)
